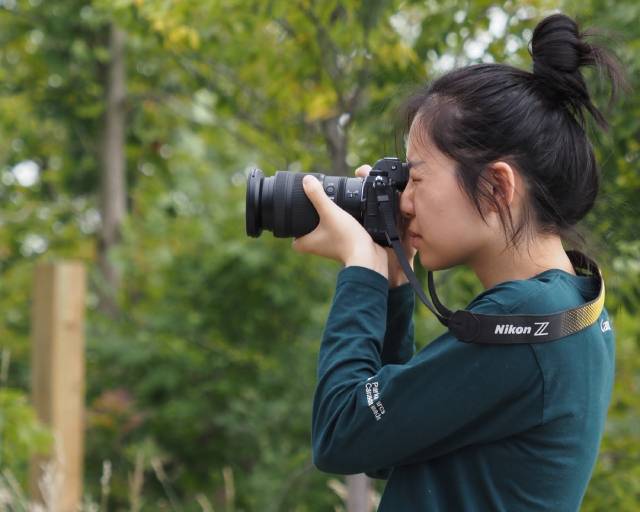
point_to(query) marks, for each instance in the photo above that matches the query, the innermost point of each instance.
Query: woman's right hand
(397, 276)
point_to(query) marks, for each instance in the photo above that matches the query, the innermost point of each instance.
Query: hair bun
(558, 50)
(556, 46)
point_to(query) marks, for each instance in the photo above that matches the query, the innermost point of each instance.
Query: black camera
(279, 204)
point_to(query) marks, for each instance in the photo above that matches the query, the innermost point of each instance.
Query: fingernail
(307, 180)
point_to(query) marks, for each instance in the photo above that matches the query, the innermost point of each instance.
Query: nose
(406, 202)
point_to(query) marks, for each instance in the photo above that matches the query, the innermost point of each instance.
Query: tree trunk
(358, 493)
(112, 183)
(335, 134)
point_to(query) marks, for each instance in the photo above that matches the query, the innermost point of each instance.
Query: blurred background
(127, 129)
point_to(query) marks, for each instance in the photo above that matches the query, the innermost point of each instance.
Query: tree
(113, 176)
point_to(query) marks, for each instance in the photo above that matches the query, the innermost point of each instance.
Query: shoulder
(516, 359)
(519, 296)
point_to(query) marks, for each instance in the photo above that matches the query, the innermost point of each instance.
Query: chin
(433, 263)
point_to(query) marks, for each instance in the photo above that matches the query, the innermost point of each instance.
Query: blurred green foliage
(206, 377)
(21, 435)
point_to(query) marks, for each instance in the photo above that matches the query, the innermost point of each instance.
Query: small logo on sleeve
(604, 325)
(373, 399)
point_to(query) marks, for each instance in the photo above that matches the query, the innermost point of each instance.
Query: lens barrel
(279, 203)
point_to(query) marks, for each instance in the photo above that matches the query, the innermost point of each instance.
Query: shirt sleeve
(451, 394)
(399, 345)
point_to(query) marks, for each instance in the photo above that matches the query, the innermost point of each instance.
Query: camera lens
(279, 204)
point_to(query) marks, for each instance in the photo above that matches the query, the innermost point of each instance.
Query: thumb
(316, 194)
(363, 171)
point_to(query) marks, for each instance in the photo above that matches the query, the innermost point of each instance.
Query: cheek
(444, 208)
(449, 223)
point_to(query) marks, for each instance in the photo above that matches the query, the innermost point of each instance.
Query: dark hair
(535, 121)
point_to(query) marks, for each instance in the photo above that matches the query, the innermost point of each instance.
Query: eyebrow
(415, 164)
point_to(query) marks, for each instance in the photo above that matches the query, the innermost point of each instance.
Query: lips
(414, 238)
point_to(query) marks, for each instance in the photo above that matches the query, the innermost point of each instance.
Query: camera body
(279, 204)
(387, 172)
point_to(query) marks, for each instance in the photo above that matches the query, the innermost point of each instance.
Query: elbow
(329, 458)
(341, 461)
(328, 462)
(336, 442)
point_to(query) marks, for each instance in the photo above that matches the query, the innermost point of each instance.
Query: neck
(494, 266)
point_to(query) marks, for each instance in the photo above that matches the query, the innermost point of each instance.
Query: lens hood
(253, 218)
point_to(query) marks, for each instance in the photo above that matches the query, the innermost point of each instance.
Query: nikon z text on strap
(501, 329)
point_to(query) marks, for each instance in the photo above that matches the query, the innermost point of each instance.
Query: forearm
(399, 345)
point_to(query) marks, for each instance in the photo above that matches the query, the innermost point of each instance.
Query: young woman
(501, 171)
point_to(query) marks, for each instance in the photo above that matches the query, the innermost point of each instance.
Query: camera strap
(474, 327)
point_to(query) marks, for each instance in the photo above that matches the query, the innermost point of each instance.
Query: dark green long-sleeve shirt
(460, 426)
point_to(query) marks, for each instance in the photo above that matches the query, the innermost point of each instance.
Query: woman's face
(451, 231)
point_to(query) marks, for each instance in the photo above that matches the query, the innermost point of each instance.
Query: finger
(363, 171)
(308, 242)
(316, 194)
(299, 243)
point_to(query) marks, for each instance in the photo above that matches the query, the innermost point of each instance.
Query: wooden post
(57, 379)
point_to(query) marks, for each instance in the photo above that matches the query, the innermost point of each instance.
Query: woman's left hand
(339, 236)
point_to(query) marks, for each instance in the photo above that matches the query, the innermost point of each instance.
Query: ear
(501, 182)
